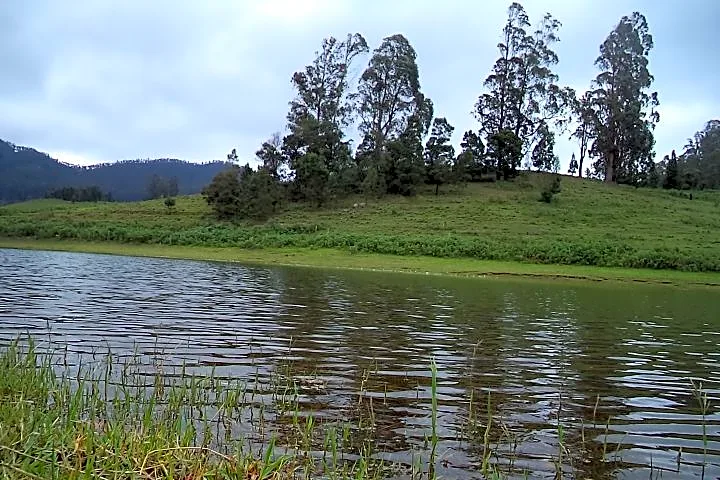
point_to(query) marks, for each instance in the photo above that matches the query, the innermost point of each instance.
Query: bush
(550, 189)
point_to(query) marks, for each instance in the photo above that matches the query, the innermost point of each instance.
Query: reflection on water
(610, 363)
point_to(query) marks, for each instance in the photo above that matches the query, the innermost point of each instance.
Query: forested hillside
(26, 173)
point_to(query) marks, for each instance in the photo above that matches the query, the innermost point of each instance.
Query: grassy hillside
(589, 223)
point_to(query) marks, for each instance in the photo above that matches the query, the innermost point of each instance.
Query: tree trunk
(610, 168)
(437, 188)
(580, 170)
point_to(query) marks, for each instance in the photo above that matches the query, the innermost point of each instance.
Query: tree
(322, 88)
(322, 107)
(259, 193)
(624, 112)
(395, 116)
(223, 193)
(271, 156)
(471, 160)
(522, 93)
(700, 161)
(573, 168)
(543, 156)
(439, 154)
(311, 178)
(389, 92)
(584, 117)
(241, 192)
(506, 150)
(170, 204)
(550, 188)
(671, 172)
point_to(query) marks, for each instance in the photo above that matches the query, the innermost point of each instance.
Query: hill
(589, 223)
(26, 173)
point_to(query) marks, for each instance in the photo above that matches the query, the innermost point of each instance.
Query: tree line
(406, 144)
(80, 194)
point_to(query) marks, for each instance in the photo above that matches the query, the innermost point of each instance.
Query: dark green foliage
(223, 193)
(241, 192)
(374, 184)
(505, 150)
(550, 188)
(672, 177)
(315, 148)
(260, 194)
(322, 87)
(388, 91)
(321, 109)
(619, 111)
(272, 157)
(80, 194)
(311, 178)
(470, 163)
(699, 165)
(543, 156)
(573, 168)
(522, 96)
(439, 154)
(170, 203)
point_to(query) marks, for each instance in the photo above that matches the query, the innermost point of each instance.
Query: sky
(108, 80)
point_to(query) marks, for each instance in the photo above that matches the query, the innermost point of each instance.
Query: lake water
(612, 363)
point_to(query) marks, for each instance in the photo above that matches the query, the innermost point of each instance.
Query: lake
(604, 367)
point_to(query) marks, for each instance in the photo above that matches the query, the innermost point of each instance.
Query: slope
(589, 223)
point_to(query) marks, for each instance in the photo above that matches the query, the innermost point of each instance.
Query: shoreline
(337, 259)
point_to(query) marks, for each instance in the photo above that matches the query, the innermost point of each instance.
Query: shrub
(550, 189)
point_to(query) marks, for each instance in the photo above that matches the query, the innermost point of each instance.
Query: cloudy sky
(103, 80)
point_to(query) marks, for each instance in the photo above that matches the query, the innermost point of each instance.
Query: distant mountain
(26, 173)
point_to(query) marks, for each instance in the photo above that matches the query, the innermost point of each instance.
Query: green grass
(114, 419)
(588, 224)
(125, 418)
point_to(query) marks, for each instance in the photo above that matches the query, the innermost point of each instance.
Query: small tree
(550, 188)
(574, 167)
(471, 160)
(671, 172)
(170, 204)
(259, 194)
(223, 193)
(439, 154)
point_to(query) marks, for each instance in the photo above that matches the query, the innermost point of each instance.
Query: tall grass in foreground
(128, 420)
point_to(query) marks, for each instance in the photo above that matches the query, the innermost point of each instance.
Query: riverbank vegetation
(406, 191)
(588, 223)
(64, 416)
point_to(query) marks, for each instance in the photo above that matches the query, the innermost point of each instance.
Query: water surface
(612, 363)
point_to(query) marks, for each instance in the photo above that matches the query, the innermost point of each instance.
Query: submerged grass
(590, 224)
(125, 419)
